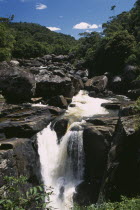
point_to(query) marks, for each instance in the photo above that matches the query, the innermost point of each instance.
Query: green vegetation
(18, 196)
(6, 40)
(29, 40)
(118, 45)
(33, 40)
(125, 204)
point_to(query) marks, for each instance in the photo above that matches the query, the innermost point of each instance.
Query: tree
(7, 41)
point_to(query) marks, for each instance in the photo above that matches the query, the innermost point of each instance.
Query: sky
(66, 16)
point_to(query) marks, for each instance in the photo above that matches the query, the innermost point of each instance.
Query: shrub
(125, 204)
(17, 196)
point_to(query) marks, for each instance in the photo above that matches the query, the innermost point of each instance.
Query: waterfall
(62, 165)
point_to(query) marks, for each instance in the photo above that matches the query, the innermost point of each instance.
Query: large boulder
(60, 127)
(17, 84)
(19, 157)
(116, 85)
(123, 167)
(97, 136)
(97, 84)
(49, 86)
(23, 122)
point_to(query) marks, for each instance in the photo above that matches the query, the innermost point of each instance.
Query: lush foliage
(34, 40)
(125, 204)
(6, 40)
(118, 45)
(111, 50)
(27, 40)
(18, 196)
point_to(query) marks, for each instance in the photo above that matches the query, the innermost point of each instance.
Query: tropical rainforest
(110, 50)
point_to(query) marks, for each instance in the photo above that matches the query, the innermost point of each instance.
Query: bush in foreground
(17, 196)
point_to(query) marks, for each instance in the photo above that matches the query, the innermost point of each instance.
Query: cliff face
(123, 165)
(18, 156)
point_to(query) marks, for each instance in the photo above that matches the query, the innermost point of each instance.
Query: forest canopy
(116, 46)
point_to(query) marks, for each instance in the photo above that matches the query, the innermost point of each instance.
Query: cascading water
(62, 165)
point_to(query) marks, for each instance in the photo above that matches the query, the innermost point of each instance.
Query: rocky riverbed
(35, 92)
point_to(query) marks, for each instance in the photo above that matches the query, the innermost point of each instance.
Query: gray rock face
(97, 84)
(60, 127)
(16, 84)
(48, 86)
(123, 169)
(113, 106)
(97, 136)
(23, 122)
(19, 159)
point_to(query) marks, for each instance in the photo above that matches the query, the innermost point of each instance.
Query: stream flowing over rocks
(68, 131)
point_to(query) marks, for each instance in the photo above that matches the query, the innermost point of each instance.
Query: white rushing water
(62, 165)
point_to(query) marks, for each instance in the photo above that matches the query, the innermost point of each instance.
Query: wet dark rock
(60, 127)
(82, 73)
(96, 140)
(133, 94)
(48, 86)
(19, 157)
(111, 105)
(85, 79)
(58, 101)
(117, 85)
(17, 84)
(72, 105)
(127, 109)
(123, 168)
(24, 122)
(110, 121)
(97, 84)
(56, 110)
(92, 94)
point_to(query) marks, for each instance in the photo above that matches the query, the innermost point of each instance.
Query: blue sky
(65, 16)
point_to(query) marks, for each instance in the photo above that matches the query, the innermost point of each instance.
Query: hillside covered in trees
(108, 51)
(118, 45)
(28, 40)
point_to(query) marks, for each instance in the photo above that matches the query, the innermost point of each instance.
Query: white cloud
(84, 25)
(41, 6)
(54, 28)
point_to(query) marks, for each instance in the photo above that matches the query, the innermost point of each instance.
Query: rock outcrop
(18, 156)
(123, 168)
(17, 84)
